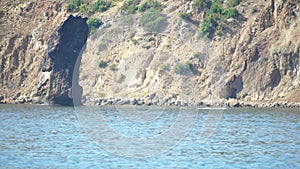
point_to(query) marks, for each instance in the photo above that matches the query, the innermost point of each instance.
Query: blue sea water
(54, 137)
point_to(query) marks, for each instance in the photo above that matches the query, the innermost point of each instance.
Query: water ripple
(51, 137)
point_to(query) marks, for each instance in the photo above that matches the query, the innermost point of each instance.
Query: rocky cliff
(152, 57)
(40, 46)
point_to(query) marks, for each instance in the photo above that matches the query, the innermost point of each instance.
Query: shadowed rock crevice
(233, 86)
(275, 78)
(64, 48)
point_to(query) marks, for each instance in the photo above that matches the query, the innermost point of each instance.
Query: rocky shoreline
(144, 102)
(222, 103)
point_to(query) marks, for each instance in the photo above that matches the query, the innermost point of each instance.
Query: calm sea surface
(59, 137)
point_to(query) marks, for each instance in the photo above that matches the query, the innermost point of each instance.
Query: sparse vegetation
(93, 24)
(254, 9)
(130, 6)
(150, 5)
(83, 6)
(202, 4)
(100, 6)
(74, 5)
(133, 40)
(232, 3)
(153, 21)
(164, 67)
(207, 28)
(183, 68)
(219, 29)
(230, 13)
(213, 23)
(184, 15)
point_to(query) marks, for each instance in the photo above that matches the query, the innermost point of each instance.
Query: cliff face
(40, 45)
(255, 59)
(267, 50)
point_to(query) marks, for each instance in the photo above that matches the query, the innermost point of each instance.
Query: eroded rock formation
(64, 49)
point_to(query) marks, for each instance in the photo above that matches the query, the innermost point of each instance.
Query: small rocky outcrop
(64, 49)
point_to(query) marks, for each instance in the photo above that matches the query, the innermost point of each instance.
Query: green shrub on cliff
(202, 4)
(215, 18)
(100, 6)
(230, 13)
(130, 6)
(150, 4)
(84, 7)
(184, 15)
(74, 5)
(183, 68)
(232, 3)
(164, 67)
(153, 21)
(93, 24)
